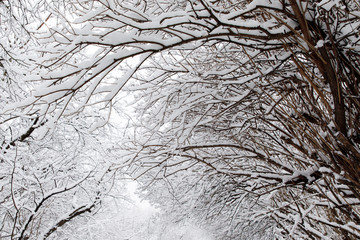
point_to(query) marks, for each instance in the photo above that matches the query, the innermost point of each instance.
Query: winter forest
(233, 119)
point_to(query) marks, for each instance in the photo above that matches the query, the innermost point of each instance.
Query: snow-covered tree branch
(259, 97)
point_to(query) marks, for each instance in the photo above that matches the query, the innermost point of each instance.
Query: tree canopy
(244, 114)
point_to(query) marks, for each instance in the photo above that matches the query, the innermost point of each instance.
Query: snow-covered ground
(126, 217)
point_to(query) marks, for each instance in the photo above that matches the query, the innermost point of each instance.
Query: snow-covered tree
(48, 178)
(248, 111)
